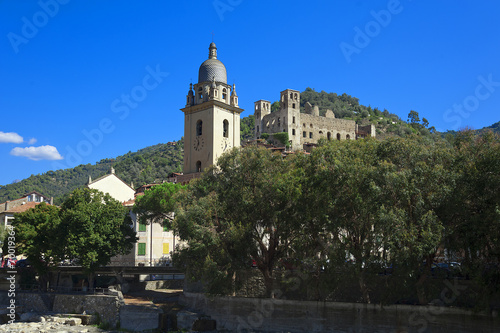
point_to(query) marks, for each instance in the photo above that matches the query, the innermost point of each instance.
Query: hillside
(154, 163)
(148, 165)
(494, 128)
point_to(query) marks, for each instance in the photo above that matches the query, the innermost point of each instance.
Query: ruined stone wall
(321, 126)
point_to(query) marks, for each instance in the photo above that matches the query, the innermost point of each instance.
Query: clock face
(198, 143)
(225, 145)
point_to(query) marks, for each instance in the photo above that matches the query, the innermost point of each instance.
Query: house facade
(155, 244)
(30, 200)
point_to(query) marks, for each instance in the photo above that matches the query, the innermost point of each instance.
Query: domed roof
(212, 68)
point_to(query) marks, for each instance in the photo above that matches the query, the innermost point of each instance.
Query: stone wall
(106, 307)
(239, 314)
(319, 124)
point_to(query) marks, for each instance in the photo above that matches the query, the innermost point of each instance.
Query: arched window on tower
(199, 127)
(348, 137)
(329, 136)
(198, 166)
(224, 93)
(225, 127)
(338, 136)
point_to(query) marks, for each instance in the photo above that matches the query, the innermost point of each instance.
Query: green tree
(36, 237)
(275, 106)
(413, 118)
(415, 181)
(94, 227)
(241, 210)
(157, 204)
(343, 201)
(473, 212)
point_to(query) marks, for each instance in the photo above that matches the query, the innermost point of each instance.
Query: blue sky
(87, 80)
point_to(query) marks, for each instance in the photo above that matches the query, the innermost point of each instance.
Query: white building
(155, 244)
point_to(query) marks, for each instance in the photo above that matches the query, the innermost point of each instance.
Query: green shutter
(142, 227)
(165, 228)
(141, 249)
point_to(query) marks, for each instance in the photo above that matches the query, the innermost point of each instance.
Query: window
(198, 166)
(293, 120)
(338, 136)
(224, 93)
(165, 228)
(347, 136)
(141, 249)
(142, 227)
(329, 136)
(304, 134)
(293, 131)
(257, 129)
(225, 127)
(166, 248)
(310, 135)
(199, 127)
(293, 105)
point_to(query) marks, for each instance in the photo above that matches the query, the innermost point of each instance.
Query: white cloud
(32, 141)
(10, 137)
(37, 153)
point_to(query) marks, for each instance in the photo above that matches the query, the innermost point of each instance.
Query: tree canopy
(90, 226)
(157, 204)
(358, 206)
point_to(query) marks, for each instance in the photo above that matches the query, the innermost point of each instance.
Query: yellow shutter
(166, 248)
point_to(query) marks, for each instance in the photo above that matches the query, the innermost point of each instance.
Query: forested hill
(494, 128)
(154, 163)
(148, 165)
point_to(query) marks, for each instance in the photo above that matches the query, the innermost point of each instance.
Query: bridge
(132, 270)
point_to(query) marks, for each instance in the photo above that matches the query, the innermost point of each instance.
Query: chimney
(6, 205)
(51, 201)
(90, 180)
(112, 170)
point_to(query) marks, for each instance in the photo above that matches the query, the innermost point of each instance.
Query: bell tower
(211, 116)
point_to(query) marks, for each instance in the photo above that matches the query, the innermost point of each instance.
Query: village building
(30, 200)
(155, 244)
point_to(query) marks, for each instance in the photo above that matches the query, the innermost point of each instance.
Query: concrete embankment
(240, 314)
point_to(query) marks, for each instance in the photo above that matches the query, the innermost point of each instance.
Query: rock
(27, 316)
(73, 321)
(204, 325)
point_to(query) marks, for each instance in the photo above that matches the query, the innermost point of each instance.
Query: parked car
(9, 262)
(23, 263)
(446, 269)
